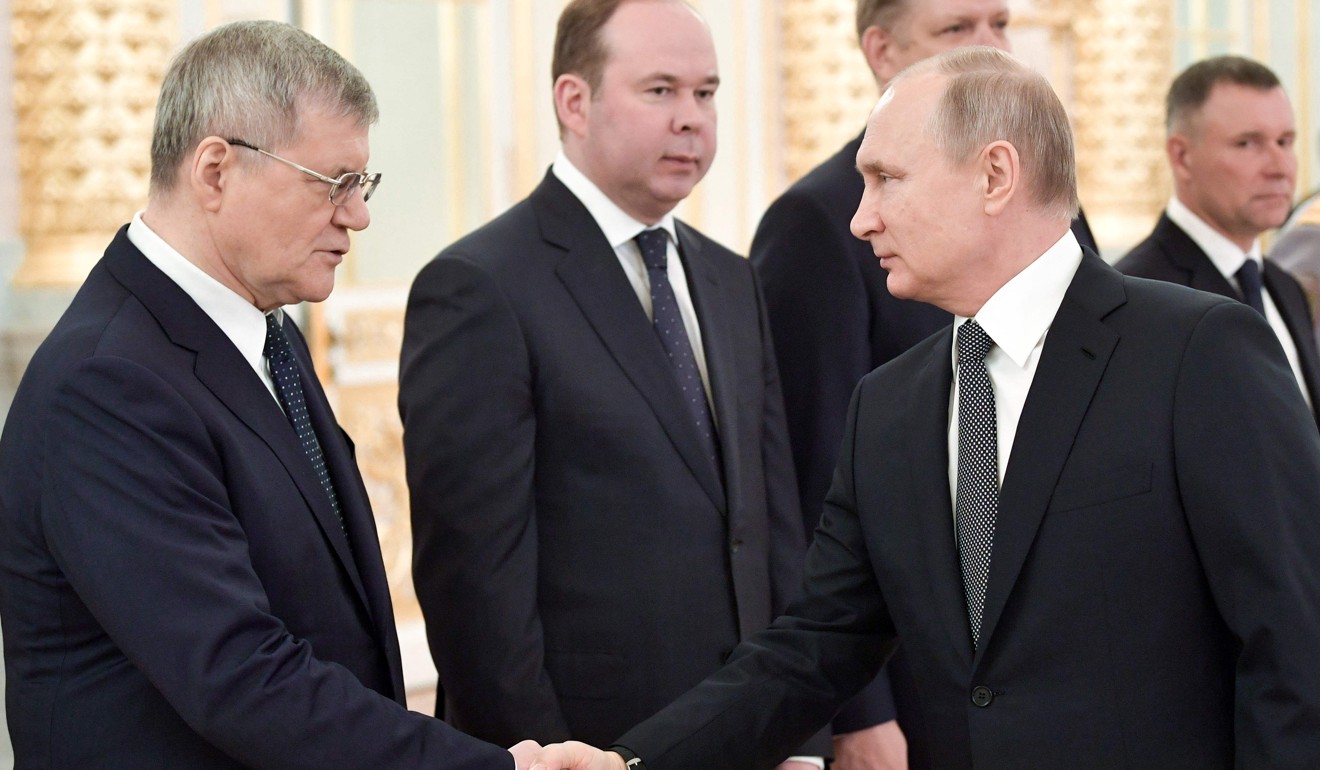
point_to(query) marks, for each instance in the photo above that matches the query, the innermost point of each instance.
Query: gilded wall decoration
(1124, 66)
(86, 76)
(828, 89)
(361, 332)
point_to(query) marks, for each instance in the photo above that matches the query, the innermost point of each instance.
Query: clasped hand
(529, 755)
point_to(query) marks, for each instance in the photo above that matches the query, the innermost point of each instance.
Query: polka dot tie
(1249, 279)
(284, 371)
(668, 324)
(978, 469)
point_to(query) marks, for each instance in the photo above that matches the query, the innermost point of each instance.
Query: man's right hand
(573, 755)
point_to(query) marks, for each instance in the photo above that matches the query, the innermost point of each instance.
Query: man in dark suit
(833, 319)
(603, 501)
(1135, 592)
(1230, 145)
(189, 569)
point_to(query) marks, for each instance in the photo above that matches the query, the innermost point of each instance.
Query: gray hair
(248, 80)
(991, 96)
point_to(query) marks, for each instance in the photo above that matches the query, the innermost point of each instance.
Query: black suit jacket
(1153, 560)
(175, 589)
(578, 560)
(1170, 254)
(834, 320)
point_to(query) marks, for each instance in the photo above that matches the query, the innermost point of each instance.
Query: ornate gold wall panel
(87, 73)
(1124, 66)
(358, 336)
(828, 89)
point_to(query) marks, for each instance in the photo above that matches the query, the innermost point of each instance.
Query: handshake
(572, 755)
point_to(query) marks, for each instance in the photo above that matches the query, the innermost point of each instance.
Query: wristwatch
(630, 760)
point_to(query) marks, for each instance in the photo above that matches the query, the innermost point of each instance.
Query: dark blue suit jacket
(1151, 590)
(833, 320)
(1170, 254)
(562, 506)
(175, 589)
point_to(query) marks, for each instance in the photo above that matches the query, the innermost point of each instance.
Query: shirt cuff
(817, 761)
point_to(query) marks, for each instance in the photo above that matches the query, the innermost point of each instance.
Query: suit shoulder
(1144, 260)
(1167, 302)
(507, 234)
(900, 370)
(834, 187)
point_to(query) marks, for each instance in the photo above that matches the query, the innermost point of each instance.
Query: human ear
(1000, 172)
(572, 102)
(209, 168)
(879, 46)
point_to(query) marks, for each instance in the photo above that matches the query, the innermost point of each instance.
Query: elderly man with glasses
(190, 575)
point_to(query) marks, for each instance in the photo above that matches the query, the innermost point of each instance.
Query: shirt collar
(618, 227)
(1017, 316)
(239, 319)
(1226, 256)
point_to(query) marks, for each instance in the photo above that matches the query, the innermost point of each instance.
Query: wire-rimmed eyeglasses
(340, 189)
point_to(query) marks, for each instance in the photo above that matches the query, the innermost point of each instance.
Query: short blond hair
(991, 96)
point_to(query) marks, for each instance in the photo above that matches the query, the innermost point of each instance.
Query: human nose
(353, 212)
(693, 113)
(866, 220)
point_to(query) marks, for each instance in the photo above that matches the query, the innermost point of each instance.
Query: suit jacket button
(981, 696)
(735, 545)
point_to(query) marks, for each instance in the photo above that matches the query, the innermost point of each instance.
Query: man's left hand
(881, 747)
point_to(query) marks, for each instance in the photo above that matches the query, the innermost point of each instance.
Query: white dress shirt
(239, 319)
(1017, 318)
(1228, 258)
(620, 230)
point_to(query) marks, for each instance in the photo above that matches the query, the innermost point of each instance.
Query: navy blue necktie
(1249, 279)
(284, 371)
(668, 324)
(978, 469)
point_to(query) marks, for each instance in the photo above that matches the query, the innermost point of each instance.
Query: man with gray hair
(833, 318)
(1134, 592)
(190, 575)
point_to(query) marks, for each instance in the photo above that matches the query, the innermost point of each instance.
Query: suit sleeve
(469, 442)
(819, 319)
(785, 681)
(1248, 465)
(136, 513)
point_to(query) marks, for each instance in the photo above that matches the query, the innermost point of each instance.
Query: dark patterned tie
(284, 371)
(668, 323)
(1249, 279)
(978, 469)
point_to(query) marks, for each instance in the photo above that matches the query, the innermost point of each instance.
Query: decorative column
(87, 73)
(1124, 64)
(828, 88)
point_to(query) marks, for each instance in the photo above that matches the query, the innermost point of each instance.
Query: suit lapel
(591, 274)
(1077, 350)
(1185, 255)
(1296, 317)
(930, 484)
(363, 542)
(224, 372)
(717, 338)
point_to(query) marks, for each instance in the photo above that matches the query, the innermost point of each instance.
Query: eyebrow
(712, 80)
(873, 167)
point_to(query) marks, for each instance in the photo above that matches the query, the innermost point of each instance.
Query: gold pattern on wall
(87, 73)
(1124, 52)
(828, 89)
(363, 345)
